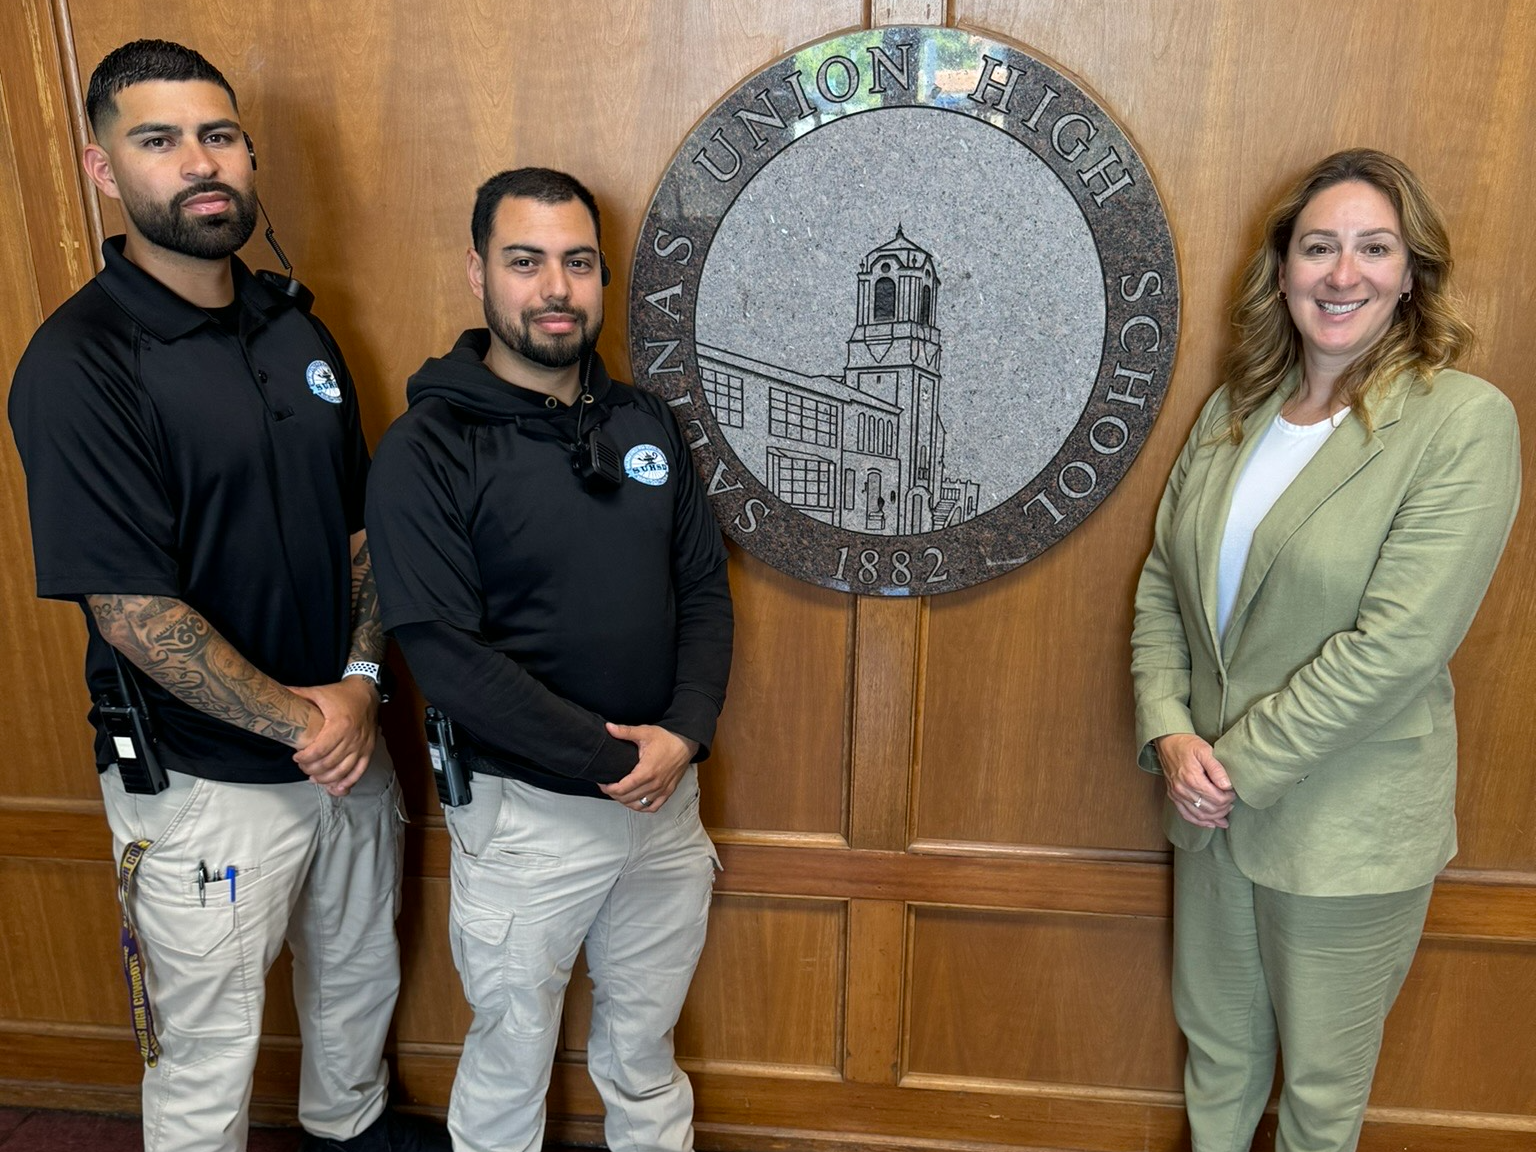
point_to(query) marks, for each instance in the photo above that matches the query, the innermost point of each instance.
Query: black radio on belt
(448, 771)
(131, 735)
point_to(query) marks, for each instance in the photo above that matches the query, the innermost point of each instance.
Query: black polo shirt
(167, 454)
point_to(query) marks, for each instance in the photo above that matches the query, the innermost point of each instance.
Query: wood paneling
(1045, 998)
(884, 708)
(59, 959)
(1466, 1002)
(780, 760)
(791, 956)
(790, 953)
(432, 1008)
(943, 916)
(44, 256)
(877, 974)
(1026, 716)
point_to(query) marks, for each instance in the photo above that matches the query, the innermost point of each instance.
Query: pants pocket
(472, 826)
(141, 816)
(477, 939)
(198, 977)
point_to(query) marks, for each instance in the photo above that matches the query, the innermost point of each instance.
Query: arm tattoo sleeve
(367, 622)
(178, 649)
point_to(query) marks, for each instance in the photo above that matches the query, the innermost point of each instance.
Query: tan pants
(534, 874)
(319, 872)
(1254, 970)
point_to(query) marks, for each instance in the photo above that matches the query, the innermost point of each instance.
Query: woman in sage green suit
(1323, 544)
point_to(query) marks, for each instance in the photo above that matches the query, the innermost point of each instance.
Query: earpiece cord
(272, 239)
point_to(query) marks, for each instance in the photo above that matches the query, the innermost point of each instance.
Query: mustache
(202, 189)
(577, 314)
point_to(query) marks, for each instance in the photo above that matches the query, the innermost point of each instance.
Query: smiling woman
(1320, 551)
(1374, 204)
(1344, 275)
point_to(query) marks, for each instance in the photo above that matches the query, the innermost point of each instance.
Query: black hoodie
(530, 609)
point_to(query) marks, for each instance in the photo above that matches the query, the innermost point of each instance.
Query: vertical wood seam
(73, 89)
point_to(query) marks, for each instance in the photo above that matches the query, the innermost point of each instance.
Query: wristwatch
(370, 671)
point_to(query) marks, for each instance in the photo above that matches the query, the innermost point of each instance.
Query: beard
(521, 337)
(203, 237)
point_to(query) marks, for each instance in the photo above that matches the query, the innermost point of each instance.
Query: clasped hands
(338, 742)
(1197, 783)
(664, 756)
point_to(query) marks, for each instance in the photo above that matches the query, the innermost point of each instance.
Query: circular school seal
(913, 297)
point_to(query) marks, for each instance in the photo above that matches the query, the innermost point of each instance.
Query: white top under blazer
(1279, 458)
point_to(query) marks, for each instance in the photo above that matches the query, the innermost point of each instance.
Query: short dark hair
(542, 184)
(139, 61)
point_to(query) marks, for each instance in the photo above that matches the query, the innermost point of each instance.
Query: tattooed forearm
(367, 623)
(178, 649)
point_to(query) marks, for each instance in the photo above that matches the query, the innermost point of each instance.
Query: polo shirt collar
(164, 313)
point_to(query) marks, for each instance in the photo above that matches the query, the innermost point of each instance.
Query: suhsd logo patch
(647, 464)
(322, 381)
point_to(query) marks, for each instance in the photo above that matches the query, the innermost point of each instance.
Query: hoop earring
(1281, 294)
(1405, 297)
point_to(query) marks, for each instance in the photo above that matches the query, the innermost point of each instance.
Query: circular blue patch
(647, 464)
(322, 381)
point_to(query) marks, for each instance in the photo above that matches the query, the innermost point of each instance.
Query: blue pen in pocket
(231, 871)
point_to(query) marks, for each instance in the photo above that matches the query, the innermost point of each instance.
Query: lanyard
(133, 958)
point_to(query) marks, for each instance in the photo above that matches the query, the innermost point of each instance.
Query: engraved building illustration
(863, 450)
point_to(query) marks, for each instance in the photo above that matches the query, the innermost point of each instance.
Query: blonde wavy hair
(1427, 333)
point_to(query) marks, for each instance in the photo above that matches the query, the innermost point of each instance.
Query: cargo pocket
(478, 940)
(197, 972)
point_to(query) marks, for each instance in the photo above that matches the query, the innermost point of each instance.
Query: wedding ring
(645, 801)
(1197, 801)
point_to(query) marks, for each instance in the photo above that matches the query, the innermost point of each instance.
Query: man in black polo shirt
(195, 475)
(574, 620)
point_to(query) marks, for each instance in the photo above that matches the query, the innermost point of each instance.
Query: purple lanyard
(133, 959)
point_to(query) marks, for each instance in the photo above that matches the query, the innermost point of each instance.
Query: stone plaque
(913, 297)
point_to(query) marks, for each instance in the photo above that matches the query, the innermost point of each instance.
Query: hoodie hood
(462, 379)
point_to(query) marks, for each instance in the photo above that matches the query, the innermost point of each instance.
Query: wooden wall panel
(1041, 998)
(43, 258)
(944, 912)
(432, 1008)
(779, 762)
(1465, 1002)
(1027, 734)
(790, 953)
(58, 948)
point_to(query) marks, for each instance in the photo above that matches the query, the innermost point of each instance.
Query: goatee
(547, 351)
(203, 237)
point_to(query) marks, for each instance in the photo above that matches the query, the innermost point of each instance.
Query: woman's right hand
(1197, 783)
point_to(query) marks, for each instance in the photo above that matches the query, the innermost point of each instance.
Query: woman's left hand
(1197, 783)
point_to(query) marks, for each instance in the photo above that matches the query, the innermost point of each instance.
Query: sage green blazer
(1329, 699)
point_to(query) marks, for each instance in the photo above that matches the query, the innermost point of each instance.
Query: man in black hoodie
(550, 568)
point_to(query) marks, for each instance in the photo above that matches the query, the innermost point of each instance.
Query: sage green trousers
(1257, 971)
